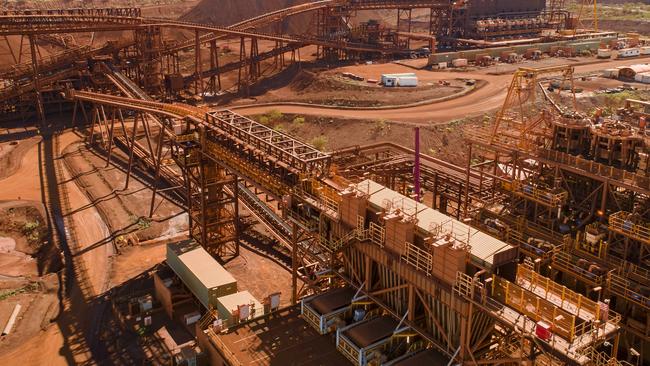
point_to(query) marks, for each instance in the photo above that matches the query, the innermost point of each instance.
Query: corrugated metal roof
(202, 265)
(483, 246)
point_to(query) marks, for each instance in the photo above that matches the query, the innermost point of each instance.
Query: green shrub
(298, 121)
(319, 142)
(619, 98)
(30, 226)
(274, 115)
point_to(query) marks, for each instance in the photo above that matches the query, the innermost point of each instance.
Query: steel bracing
(213, 162)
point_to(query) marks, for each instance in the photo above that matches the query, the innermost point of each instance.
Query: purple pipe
(416, 168)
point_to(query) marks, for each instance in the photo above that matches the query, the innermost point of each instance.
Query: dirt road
(63, 344)
(483, 100)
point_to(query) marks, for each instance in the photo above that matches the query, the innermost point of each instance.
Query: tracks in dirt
(80, 335)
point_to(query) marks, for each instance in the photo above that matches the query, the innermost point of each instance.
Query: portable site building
(384, 77)
(629, 52)
(201, 273)
(643, 77)
(405, 79)
(604, 53)
(242, 304)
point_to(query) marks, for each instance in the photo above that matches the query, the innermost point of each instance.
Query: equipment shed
(201, 273)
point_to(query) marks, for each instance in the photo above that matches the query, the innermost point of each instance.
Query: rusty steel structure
(535, 252)
(456, 314)
(337, 220)
(579, 191)
(157, 64)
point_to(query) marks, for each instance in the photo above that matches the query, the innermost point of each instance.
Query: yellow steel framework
(585, 6)
(547, 197)
(520, 117)
(623, 223)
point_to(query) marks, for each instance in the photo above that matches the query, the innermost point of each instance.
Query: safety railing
(247, 169)
(463, 284)
(336, 245)
(598, 358)
(418, 258)
(545, 252)
(527, 303)
(555, 293)
(304, 220)
(544, 196)
(188, 137)
(566, 262)
(458, 231)
(46, 63)
(635, 272)
(596, 168)
(349, 350)
(623, 287)
(312, 318)
(622, 223)
(112, 11)
(376, 234)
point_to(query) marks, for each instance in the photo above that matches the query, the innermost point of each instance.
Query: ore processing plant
(536, 252)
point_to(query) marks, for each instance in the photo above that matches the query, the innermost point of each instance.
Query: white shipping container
(442, 65)
(390, 81)
(407, 81)
(394, 77)
(645, 50)
(643, 77)
(629, 52)
(460, 62)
